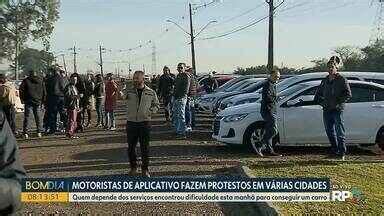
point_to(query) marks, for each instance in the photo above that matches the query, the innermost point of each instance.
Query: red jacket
(111, 94)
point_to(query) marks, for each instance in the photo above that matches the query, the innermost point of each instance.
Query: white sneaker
(113, 128)
(39, 135)
(26, 136)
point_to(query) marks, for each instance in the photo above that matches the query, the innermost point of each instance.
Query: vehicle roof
(317, 82)
(345, 73)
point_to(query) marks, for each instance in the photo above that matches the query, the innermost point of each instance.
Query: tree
(23, 20)
(351, 57)
(374, 57)
(33, 59)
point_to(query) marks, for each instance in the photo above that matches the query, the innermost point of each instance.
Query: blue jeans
(36, 110)
(190, 113)
(334, 127)
(110, 119)
(179, 115)
(271, 130)
(100, 110)
(55, 106)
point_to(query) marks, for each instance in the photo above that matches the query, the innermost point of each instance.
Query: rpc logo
(355, 196)
(341, 195)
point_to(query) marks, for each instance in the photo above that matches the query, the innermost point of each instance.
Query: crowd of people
(64, 104)
(61, 104)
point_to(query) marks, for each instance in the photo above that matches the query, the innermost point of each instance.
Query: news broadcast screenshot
(191, 107)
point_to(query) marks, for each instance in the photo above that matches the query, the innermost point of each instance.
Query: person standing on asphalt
(181, 89)
(154, 83)
(333, 93)
(165, 91)
(111, 93)
(210, 84)
(72, 104)
(8, 97)
(80, 86)
(32, 95)
(100, 100)
(11, 170)
(190, 107)
(142, 103)
(268, 112)
(88, 98)
(55, 86)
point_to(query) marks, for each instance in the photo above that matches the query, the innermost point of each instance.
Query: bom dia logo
(45, 185)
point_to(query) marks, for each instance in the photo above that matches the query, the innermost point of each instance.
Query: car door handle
(378, 106)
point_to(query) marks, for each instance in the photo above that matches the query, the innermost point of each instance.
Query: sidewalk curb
(262, 208)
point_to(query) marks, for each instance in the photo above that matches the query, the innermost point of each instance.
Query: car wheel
(380, 139)
(253, 137)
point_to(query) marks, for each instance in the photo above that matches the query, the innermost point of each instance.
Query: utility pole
(101, 60)
(192, 40)
(74, 59)
(154, 65)
(64, 64)
(191, 32)
(377, 33)
(270, 36)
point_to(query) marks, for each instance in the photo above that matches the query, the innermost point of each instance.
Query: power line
(241, 28)
(238, 16)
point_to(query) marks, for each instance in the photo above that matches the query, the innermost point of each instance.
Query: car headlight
(207, 99)
(235, 118)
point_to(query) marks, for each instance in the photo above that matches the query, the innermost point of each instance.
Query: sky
(304, 30)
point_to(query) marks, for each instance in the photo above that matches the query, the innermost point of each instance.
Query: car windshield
(237, 85)
(290, 91)
(228, 84)
(281, 86)
(254, 86)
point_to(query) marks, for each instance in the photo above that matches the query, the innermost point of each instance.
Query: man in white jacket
(8, 99)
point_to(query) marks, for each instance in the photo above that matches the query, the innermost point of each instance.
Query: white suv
(300, 121)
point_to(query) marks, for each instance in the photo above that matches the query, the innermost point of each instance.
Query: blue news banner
(176, 189)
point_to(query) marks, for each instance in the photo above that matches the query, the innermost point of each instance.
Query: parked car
(253, 97)
(221, 80)
(300, 120)
(206, 102)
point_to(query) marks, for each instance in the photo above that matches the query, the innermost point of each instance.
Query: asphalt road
(104, 153)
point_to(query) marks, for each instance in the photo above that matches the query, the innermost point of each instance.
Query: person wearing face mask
(142, 103)
(332, 94)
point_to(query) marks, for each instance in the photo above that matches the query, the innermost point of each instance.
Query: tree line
(367, 59)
